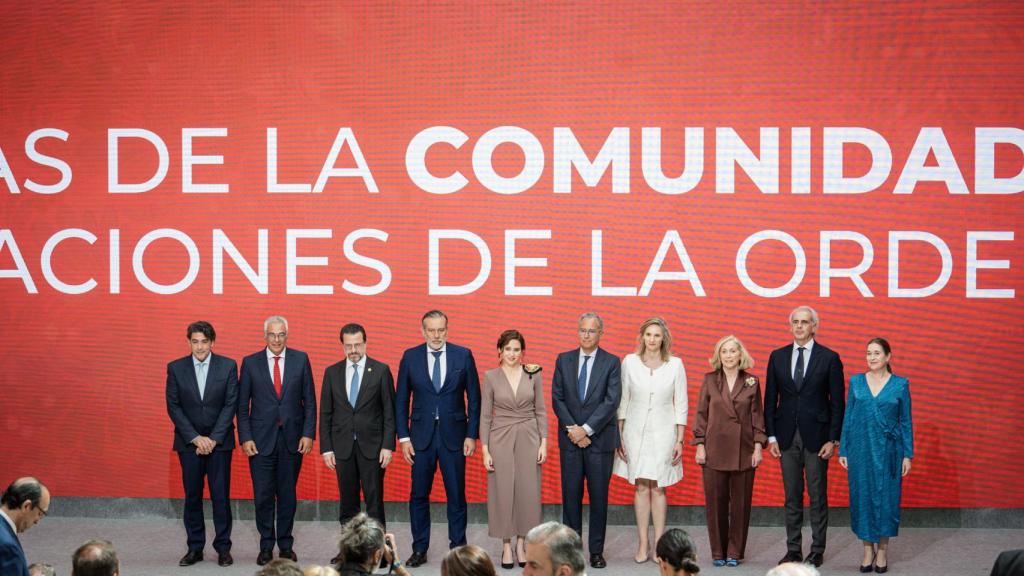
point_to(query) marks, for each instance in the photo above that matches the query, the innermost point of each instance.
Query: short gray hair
(275, 320)
(563, 543)
(814, 314)
(41, 569)
(793, 569)
(588, 316)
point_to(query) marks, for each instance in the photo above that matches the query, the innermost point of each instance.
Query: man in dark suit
(439, 431)
(202, 398)
(803, 416)
(25, 502)
(357, 426)
(276, 426)
(585, 393)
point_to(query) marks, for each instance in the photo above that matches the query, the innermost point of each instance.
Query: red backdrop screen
(515, 166)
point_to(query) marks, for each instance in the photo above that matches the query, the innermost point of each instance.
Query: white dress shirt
(201, 376)
(590, 371)
(9, 521)
(430, 371)
(280, 363)
(350, 368)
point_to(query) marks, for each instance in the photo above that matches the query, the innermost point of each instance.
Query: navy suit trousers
(216, 467)
(273, 482)
(453, 472)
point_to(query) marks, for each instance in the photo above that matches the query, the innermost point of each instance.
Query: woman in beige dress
(513, 433)
(652, 424)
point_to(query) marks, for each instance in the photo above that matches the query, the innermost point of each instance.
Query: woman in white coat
(652, 425)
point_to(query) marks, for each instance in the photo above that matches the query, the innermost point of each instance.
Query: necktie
(581, 382)
(353, 391)
(435, 375)
(201, 378)
(798, 373)
(277, 376)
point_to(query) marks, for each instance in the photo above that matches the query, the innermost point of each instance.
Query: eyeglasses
(589, 332)
(44, 512)
(277, 335)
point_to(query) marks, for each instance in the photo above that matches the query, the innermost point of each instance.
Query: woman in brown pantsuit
(729, 434)
(513, 433)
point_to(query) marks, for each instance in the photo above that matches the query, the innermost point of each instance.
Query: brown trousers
(727, 497)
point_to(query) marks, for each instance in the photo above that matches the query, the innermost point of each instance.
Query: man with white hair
(276, 426)
(554, 549)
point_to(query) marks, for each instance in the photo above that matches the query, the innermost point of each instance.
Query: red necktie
(277, 376)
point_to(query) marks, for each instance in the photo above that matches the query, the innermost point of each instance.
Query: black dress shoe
(814, 559)
(792, 556)
(191, 558)
(264, 557)
(289, 554)
(225, 559)
(597, 561)
(417, 559)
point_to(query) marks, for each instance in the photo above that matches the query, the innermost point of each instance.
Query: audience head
(656, 330)
(553, 549)
(731, 345)
(467, 560)
(280, 567)
(317, 570)
(676, 552)
(362, 541)
(40, 569)
(95, 558)
(793, 569)
(25, 502)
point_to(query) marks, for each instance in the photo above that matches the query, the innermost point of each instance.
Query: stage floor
(153, 547)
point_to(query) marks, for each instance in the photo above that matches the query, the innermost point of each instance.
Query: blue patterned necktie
(353, 392)
(798, 374)
(435, 376)
(581, 383)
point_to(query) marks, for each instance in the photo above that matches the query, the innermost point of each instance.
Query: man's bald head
(95, 558)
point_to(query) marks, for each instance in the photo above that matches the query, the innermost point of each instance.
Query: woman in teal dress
(876, 446)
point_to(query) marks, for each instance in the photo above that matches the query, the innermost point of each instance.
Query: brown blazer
(729, 424)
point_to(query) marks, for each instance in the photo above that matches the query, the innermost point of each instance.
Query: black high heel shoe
(870, 567)
(509, 565)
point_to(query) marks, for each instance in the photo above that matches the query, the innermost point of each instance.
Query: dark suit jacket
(12, 557)
(1009, 563)
(461, 384)
(816, 409)
(598, 410)
(728, 424)
(259, 409)
(214, 415)
(373, 418)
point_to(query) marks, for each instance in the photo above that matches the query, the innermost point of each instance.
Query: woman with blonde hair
(652, 425)
(729, 433)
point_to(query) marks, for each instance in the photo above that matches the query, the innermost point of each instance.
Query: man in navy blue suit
(276, 426)
(23, 503)
(803, 416)
(585, 394)
(202, 398)
(441, 379)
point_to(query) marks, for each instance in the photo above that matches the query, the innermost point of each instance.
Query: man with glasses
(276, 426)
(585, 394)
(202, 398)
(25, 502)
(441, 379)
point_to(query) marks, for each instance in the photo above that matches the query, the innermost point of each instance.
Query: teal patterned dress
(877, 436)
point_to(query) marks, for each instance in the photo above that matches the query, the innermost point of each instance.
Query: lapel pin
(368, 369)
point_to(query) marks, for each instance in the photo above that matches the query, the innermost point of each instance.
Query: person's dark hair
(676, 548)
(204, 328)
(361, 538)
(467, 560)
(280, 567)
(351, 329)
(885, 348)
(508, 336)
(434, 314)
(95, 558)
(22, 490)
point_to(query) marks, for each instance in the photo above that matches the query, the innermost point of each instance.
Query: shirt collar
(270, 355)
(196, 362)
(807, 347)
(591, 354)
(361, 363)
(442, 350)
(9, 521)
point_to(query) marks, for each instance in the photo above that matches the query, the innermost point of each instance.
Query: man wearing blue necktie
(585, 393)
(440, 378)
(202, 397)
(357, 426)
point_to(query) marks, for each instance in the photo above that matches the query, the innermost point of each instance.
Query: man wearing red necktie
(276, 426)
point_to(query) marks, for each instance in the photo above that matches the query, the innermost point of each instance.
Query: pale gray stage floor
(153, 546)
